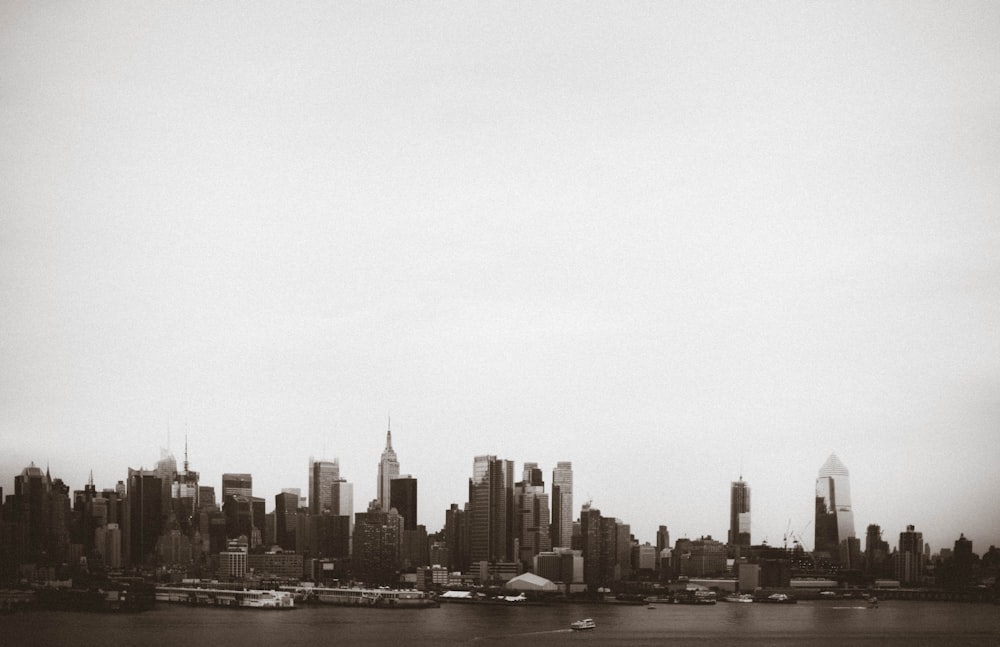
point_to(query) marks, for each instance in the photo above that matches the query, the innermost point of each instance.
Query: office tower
(834, 518)
(910, 556)
(531, 520)
(238, 511)
(490, 510)
(456, 536)
(206, 496)
(388, 469)
(185, 494)
(739, 519)
(403, 497)
(166, 471)
(594, 554)
(322, 475)
(32, 502)
(562, 505)
(286, 507)
(144, 513)
(237, 484)
(377, 538)
(876, 551)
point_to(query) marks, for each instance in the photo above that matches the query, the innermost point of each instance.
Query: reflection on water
(827, 623)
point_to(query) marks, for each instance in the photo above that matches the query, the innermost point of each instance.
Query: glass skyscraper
(739, 518)
(834, 517)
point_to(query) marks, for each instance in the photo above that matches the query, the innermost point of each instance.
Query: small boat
(873, 602)
(738, 597)
(650, 606)
(580, 625)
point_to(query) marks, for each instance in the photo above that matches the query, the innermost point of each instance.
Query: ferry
(249, 599)
(359, 597)
(582, 625)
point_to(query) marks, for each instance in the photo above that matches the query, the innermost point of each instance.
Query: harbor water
(813, 623)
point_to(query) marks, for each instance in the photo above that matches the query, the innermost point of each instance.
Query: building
(281, 565)
(739, 519)
(876, 552)
(561, 532)
(910, 557)
(377, 538)
(388, 469)
(531, 515)
(233, 561)
(286, 507)
(237, 484)
(491, 491)
(322, 475)
(456, 538)
(834, 517)
(403, 497)
(144, 515)
(700, 557)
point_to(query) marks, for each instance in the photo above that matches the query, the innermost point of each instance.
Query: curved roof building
(834, 517)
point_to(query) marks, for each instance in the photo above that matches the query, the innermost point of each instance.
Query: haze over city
(669, 243)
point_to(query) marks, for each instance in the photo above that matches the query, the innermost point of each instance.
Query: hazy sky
(659, 240)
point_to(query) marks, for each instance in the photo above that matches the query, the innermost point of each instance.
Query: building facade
(834, 522)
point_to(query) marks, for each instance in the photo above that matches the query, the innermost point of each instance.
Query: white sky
(660, 240)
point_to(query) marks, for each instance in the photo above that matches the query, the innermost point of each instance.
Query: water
(806, 623)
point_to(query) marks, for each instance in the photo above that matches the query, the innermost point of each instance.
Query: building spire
(90, 481)
(185, 453)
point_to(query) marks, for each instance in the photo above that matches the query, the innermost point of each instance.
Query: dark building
(144, 511)
(456, 537)
(377, 538)
(238, 512)
(876, 562)
(491, 491)
(286, 507)
(238, 484)
(403, 497)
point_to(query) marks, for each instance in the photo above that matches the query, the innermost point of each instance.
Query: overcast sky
(664, 241)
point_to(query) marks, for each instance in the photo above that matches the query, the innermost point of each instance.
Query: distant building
(144, 513)
(491, 490)
(834, 516)
(403, 497)
(910, 557)
(237, 484)
(377, 538)
(561, 534)
(700, 557)
(322, 475)
(739, 519)
(282, 565)
(388, 469)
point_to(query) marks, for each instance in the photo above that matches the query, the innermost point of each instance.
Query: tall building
(910, 556)
(388, 469)
(531, 515)
(739, 518)
(403, 497)
(322, 475)
(144, 514)
(377, 542)
(286, 508)
(491, 490)
(561, 533)
(834, 518)
(237, 484)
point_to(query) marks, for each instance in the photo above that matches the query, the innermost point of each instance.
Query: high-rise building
(491, 490)
(456, 537)
(377, 543)
(403, 497)
(388, 469)
(322, 475)
(910, 556)
(739, 518)
(531, 515)
(286, 508)
(834, 517)
(237, 484)
(561, 533)
(144, 513)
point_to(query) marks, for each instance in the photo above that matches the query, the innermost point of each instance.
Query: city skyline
(788, 535)
(671, 243)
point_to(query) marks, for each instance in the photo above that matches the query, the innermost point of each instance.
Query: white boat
(738, 597)
(580, 625)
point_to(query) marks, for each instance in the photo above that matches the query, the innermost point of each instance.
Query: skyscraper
(403, 497)
(910, 556)
(834, 518)
(491, 491)
(388, 469)
(739, 518)
(562, 505)
(322, 475)
(237, 484)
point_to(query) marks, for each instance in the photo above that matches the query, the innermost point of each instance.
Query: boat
(582, 625)
(778, 598)
(231, 598)
(738, 597)
(873, 602)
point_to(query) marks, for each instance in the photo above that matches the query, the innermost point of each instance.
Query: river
(721, 625)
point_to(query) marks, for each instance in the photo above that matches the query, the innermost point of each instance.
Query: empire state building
(388, 469)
